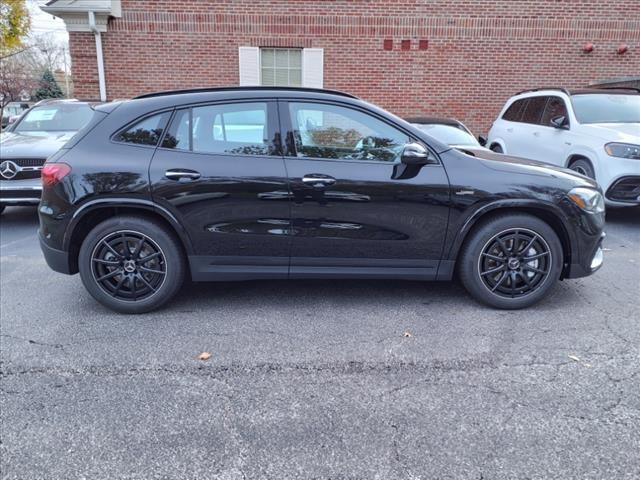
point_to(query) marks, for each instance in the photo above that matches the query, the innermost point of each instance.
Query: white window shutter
(249, 66)
(312, 67)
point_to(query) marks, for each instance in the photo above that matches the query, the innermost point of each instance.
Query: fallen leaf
(408, 334)
(588, 365)
(204, 356)
(574, 358)
(606, 249)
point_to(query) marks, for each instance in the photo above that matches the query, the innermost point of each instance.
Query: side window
(237, 129)
(179, 135)
(533, 111)
(514, 112)
(146, 132)
(330, 131)
(555, 108)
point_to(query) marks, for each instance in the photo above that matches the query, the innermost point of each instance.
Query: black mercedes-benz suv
(272, 183)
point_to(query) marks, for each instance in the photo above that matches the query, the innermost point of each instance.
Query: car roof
(607, 90)
(241, 89)
(161, 100)
(580, 91)
(435, 120)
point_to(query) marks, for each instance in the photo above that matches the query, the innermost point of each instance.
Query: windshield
(448, 134)
(67, 117)
(601, 108)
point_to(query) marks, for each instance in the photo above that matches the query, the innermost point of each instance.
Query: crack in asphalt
(35, 342)
(349, 367)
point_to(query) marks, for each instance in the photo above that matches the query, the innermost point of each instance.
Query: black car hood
(32, 144)
(509, 164)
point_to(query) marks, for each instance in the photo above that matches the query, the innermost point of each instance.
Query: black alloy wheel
(128, 265)
(511, 260)
(132, 264)
(514, 263)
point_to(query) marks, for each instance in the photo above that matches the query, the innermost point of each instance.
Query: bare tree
(15, 78)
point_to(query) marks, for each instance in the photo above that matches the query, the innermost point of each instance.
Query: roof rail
(634, 89)
(560, 89)
(231, 89)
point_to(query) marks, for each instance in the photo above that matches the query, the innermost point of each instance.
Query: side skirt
(225, 269)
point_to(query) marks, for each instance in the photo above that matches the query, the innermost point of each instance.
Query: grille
(25, 175)
(26, 162)
(19, 194)
(626, 189)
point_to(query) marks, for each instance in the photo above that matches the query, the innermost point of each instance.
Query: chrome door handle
(177, 174)
(317, 180)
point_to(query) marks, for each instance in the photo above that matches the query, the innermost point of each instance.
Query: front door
(356, 210)
(219, 169)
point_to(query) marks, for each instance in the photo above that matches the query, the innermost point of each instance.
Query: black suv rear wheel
(511, 261)
(131, 264)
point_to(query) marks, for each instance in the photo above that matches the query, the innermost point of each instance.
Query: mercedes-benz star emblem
(8, 169)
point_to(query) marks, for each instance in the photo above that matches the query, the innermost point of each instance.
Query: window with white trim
(273, 66)
(281, 67)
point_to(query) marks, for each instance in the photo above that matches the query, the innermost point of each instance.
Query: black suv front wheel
(511, 261)
(131, 264)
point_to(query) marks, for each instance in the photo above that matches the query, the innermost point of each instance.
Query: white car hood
(613, 132)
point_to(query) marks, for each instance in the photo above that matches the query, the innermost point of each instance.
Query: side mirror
(560, 122)
(416, 154)
(482, 140)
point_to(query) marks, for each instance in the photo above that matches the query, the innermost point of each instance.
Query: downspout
(101, 80)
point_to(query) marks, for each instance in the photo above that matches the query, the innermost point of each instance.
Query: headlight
(623, 150)
(587, 199)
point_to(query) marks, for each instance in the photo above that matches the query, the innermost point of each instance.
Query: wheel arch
(581, 153)
(547, 213)
(499, 142)
(92, 213)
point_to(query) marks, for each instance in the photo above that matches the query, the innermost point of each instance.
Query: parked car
(26, 144)
(12, 111)
(273, 183)
(595, 132)
(448, 131)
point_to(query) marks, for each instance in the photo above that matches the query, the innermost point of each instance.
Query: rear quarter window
(147, 131)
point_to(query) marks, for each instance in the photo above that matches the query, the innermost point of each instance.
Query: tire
(583, 167)
(123, 281)
(496, 148)
(2, 207)
(511, 283)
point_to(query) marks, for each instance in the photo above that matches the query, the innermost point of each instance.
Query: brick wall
(479, 52)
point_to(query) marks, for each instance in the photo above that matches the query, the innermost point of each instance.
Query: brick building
(459, 58)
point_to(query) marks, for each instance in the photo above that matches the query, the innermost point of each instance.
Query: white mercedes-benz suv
(595, 132)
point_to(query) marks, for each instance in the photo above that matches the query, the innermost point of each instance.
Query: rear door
(527, 142)
(508, 127)
(553, 143)
(219, 169)
(356, 209)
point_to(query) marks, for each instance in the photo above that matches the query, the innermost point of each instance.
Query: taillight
(52, 173)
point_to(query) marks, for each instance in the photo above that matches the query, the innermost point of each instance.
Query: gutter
(99, 59)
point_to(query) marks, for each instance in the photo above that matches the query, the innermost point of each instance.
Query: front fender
(581, 151)
(466, 224)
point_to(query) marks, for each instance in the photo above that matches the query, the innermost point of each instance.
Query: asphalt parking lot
(319, 379)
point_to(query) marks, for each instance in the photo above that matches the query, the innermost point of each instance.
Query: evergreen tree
(48, 87)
